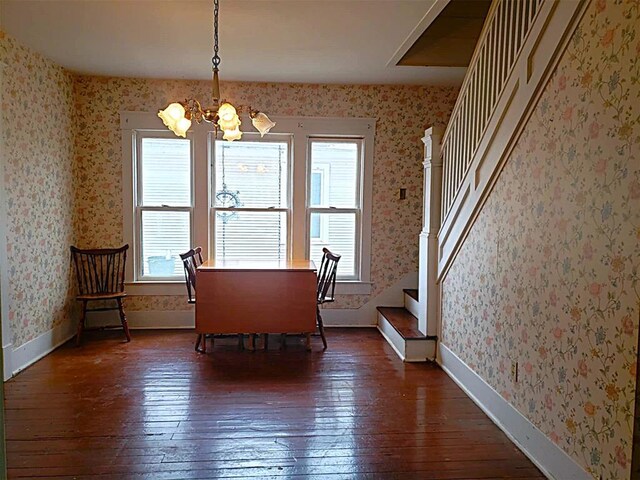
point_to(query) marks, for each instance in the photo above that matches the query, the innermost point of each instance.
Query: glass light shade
(172, 114)
(181, 127)
(232, 135)
(227, 112)
(262, 123)
(231, 124)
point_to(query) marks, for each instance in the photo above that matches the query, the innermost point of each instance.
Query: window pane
(166, 172)
(337, 164)
(255, 173)
(338, 234)
(243, 235)
(164, 236)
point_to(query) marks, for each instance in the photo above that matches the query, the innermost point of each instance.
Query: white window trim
(301, 128)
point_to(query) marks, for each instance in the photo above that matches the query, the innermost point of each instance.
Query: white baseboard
(32, 351)
(546, 455)
(144, 320)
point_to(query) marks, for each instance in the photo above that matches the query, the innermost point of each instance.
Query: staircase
(399, 326)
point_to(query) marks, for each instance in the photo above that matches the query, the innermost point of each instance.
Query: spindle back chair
(326, 285)
(100, 277)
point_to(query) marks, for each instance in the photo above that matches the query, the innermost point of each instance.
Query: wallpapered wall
(549, 275)
(37, 109)
(403, 112)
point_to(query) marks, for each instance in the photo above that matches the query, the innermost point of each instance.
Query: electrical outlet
(514, 371)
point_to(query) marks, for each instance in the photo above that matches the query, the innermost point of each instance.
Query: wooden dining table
(250, 296)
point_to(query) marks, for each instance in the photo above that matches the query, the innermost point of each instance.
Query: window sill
(175, 288)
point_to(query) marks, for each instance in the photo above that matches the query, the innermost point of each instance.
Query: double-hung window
(304, 186)
(251, 198)
(334, 204)
(163, 204)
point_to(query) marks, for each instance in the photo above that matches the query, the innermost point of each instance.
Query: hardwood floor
(155, 409)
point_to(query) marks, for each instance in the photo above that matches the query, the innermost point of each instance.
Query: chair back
(327, 276)
(191, 261)
(100, 270)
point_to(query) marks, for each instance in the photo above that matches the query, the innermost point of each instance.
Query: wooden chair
(326, 286)
(100, 276)
(191, 260)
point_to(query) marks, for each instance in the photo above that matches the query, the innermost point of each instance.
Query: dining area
(256, 298)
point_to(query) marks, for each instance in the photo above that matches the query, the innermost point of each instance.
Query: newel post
(428, 288)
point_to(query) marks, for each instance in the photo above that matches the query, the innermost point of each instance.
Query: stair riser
(407, 350)
(412, 305)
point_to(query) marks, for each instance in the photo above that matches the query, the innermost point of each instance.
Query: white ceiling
(310, 41)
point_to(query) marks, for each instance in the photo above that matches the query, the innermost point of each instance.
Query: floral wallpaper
(549, 275)
(37, 109)
(403, 112)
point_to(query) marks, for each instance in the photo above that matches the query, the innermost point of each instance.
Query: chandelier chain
(215, 60)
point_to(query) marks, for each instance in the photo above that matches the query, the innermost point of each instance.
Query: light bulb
(262, 123)
(226, 112)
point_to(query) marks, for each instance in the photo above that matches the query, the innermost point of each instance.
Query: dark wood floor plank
(154, 409)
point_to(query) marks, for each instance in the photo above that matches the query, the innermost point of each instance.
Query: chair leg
(283, 341)
(123, 319)
(240, 341)
(308, 342)
(321, 327)
(81, 323)
(252, 342)
(199, 340)
(266, 341)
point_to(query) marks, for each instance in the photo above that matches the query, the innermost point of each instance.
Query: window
(163, 205)
(334, 204)
(304, 186)
(251, 199)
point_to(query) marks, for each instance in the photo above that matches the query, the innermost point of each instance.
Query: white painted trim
(144, 320)
(134, 124)
(7, 336)
(392, 337)
(545, 43)
(412, 305)
(32, 351)
(436, 8)
(407, 350)
(546, 455)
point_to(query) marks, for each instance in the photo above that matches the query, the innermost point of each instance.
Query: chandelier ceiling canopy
(178, 116)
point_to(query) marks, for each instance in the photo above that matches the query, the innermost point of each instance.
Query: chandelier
(178, 116)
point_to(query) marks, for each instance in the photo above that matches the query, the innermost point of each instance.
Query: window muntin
(164, 205)
(251, 199)
(334, 213)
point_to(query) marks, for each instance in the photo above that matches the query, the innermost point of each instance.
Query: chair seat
(101, 296)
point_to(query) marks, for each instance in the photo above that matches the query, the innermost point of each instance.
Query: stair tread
(412, 292)
(405, 324)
